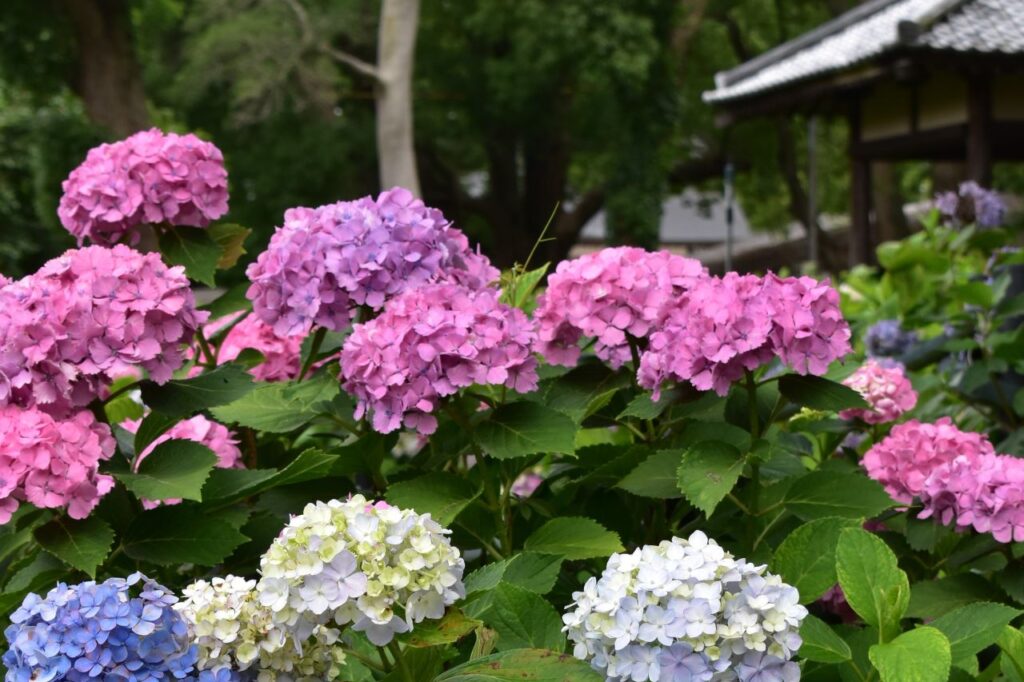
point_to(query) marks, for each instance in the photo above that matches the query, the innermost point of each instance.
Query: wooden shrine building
(935, 80)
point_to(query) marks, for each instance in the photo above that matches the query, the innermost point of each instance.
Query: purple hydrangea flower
(972, 204)
(887, 338)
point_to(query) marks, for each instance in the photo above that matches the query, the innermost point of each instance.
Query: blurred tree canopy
(520, 106)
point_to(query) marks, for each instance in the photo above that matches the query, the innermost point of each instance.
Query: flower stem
(396, 651)
(318, 340)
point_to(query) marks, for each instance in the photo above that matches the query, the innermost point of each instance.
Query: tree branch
(687, 28)
(310, 41)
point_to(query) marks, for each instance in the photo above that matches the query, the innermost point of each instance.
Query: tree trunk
(109, 79)
(396, 52)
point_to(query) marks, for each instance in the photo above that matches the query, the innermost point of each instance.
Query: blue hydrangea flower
(120, 629)
(972, 203)
(887, 339)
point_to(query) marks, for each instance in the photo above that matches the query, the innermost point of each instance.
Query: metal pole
(812, 190)
(729, 196)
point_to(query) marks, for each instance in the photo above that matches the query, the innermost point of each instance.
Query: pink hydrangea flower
(151, 177)
(52, 463)
(981, 490)
(886, 389)
(904, 460)
(71, 328)
(606, 295)
(281, 354)
(724, 326)
(325, 262)
(527, 483)
(427, 344)
(199, 429)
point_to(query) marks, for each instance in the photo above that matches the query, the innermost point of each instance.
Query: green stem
(384, 661)
(396, 651)
(634, 351)
(204, 346)
(318, 340)
(121, 391)
(755, 433)
(365, 660)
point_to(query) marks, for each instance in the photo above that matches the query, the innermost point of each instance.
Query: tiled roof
(873, 29)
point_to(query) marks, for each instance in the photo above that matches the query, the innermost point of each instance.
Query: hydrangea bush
(389, 462)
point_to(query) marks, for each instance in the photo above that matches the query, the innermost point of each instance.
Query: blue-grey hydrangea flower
(887, 338)
(972, 204)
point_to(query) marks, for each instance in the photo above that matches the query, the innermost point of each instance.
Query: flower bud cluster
(885, 388)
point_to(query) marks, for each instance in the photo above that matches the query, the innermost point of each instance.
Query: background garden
(266, 417)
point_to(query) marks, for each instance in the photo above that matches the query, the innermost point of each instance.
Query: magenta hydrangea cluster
(52, 463)
(427, 344)
(609, 295)
(199, 429)
(326, 262)
(725, 326)
(281, 354)
(885, 388)
(151, 177)
(84, 318)
(957, 476)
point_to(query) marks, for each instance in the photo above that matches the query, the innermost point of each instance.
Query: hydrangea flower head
(325, 262)
(51, 463)
(120, 629)
(905, 459)
(199, 429)
(887, 338)
(427, 344)
(70, 329)
(686, 607)
(608, 295)
(378, 567)
(281, 354)
(151, 177)
(886, 389)
(972, 204)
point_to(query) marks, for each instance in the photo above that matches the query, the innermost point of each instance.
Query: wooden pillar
(860, 195)
(979, 129)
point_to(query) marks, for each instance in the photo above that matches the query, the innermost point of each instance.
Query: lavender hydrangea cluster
(427, 344)
(325, 262)
(888, 339)
(151, 177)
(725, 326)
(67, 331)
(609, 295)
(972, 204)
(686, 610)
(120, 629)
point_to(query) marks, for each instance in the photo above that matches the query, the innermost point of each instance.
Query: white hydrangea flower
(378, 567)
(686, 610)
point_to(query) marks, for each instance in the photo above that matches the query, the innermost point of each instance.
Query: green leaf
(819, 393)
(832, 493)
(933, 598)
(442, 495)
(174, 470)
(523, 620)
(519, 287)
(185, 397)
(530, 570)
(574, 538)
(280, 407)
(708, 472)
(973, 627)
(582, 391)
(643, 407)
(80, 544)
(975, 293)
(920, 655)
(874, 586)
(522, 665)
(821, 643)
(194, 249)
(806, 559)
(152, 427)
(452, 627)
(1011, 641)
(226, 485)
(230, 238)
(656, 476)
(525, 428)
(180, 534)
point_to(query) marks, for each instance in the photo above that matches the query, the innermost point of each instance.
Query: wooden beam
(860, 195)
(979, 129)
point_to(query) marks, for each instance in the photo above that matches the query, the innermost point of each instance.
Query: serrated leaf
(174, 470)
(180, 534)
(832, 493)
(81, 544)
(920, 655)
(708, 472)
(185, 397)
(452, 627)
(523, 620)
(525, 428)
(873, 584)
(574, 538)
(806, 559)
(821, 643)
(819, 393)
(933, 598)
(657, 476)
(522, 665)
(192, 248)
(643, 407)
(582, 391)
(280, 407)
(152, 427)
(440, 494)
(230, 238)
(973, 627)
(518, 288)
(530, 570)
(226, 485)
(1011, 641)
